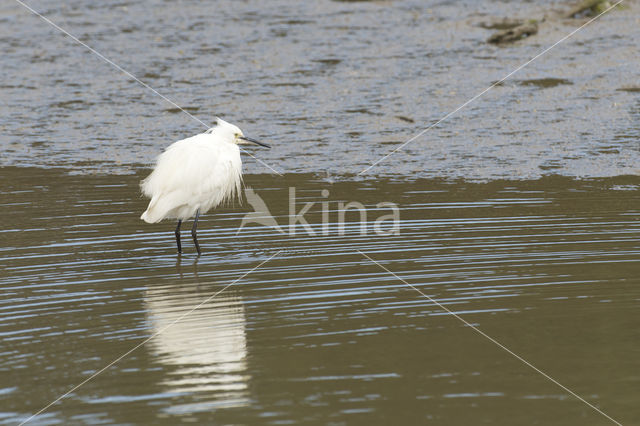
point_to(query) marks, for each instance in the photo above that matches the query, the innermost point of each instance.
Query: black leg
(178, 236)
(193, 232)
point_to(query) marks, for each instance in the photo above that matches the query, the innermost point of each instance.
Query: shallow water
(333, 85)
(319, 333)
(520, 214)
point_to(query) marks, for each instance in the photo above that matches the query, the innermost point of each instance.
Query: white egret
(194, 175)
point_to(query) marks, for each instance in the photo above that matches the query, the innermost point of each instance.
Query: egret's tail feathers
(148, 217)
(159, 208)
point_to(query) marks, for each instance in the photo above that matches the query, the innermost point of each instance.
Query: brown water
(520, 214)
(320, 334)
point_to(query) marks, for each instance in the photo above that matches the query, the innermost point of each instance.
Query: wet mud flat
(319, 333)
(333, 85)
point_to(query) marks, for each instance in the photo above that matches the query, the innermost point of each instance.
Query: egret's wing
(197, 172)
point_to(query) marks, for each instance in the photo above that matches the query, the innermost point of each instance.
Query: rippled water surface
(519, 215)
(319, 333)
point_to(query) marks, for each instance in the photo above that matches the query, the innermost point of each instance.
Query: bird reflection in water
(206, 351)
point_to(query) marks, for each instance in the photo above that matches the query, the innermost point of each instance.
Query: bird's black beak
(244, 138)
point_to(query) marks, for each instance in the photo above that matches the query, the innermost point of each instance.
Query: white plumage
(194, 175)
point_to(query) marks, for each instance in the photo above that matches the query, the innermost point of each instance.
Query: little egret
(194, 175)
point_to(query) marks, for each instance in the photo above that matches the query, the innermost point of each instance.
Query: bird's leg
(178, 236)
(193, 232)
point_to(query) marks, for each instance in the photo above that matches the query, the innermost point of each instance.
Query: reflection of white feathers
(208, 347)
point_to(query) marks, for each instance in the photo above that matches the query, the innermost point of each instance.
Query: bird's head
(232, 133)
